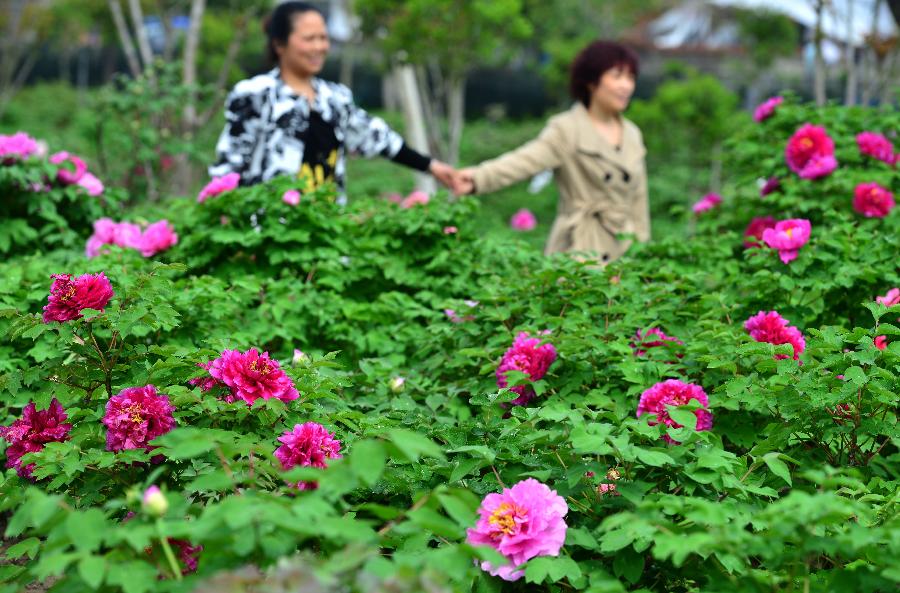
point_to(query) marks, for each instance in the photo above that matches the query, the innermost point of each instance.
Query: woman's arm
(641, 209)
(242, 132)
(544, 152)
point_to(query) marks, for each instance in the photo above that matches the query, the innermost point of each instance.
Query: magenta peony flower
(136, 416)
(450, 230)
(219, 185)
(529, 356)
(188, 554)
(68, 297)
(127, 234)
(651, 338)
(755, 230)
(65, 175)
(881, 342)
(157, 237)
(891, 299)
(769, 326)
(673, 392)
(521, 523)
(810, 152)
(772, 184)
(31, 432)
(766, 109)
(707, 202)
(872, 200)
(876, 146)
(414, 198)
(523, 220)
(788, 236)
(93, 185)
(251, 376)
(291, 197)
(16, 147)
(308, 445)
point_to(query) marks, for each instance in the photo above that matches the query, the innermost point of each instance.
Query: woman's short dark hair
(279, 25)
(591, 62)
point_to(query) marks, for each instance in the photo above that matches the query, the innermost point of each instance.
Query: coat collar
(589, 140)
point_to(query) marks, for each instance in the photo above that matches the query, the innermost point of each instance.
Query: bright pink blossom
(251, 376)
(810, 152)
(766, 109)
(414, 198)
(157, 237)
(31, 432)
(187, 553)
(136, 416)
(876, 146)
(769, 326)
(788, 236)
(521, 523)
(707, 202)
(651, 338)
(291, 197)
(673, 392)
(771, 185)
(523, 220)
(69, 297)
(219, 185)
(529, 356)
(872, 200)
(90, 183)
(16, 147)
(881, 342)
(891, 299)
(450, 230)
(755, 230)
(307, 445)
(65, 175)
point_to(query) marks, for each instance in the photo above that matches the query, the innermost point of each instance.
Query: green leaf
(413, 445)
(460, 507)
(435, 522)
(86, 529)
(133, 577)
(778, 467)
(367, 459)
(26, 547)
(654, 458)
(92, 569)
(855, 375)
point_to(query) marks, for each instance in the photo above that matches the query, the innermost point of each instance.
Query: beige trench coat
(602, 191)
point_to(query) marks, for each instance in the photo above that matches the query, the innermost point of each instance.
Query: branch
(125, 37)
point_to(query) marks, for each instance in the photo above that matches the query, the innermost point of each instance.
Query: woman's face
(613, 90)
(307, 46)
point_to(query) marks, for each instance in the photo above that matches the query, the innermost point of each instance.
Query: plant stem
(167, 550)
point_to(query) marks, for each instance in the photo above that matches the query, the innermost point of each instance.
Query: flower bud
(154, 502)
(397, 384)
(299, 356)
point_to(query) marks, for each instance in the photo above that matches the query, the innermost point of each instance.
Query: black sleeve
(410, 158)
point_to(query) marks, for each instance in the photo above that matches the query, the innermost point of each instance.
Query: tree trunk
(850, 90)
(143, 42)
(414, 119)
(819, 70)
(183, 177)
(456, 115)
(125, 38)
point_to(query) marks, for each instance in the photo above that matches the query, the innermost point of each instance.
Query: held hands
(459, 182)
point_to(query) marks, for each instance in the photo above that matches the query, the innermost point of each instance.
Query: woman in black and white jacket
(289, 122)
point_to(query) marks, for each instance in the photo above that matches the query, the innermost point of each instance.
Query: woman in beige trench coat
(597, 157)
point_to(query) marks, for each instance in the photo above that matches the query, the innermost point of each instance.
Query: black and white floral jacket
(270, 130)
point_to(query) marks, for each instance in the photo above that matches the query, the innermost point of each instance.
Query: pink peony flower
(219, 185)
(136, 416)
(881, 342)
(891, 299)
(769, 326)
(707, 202)
(157, 237)
(766, 109)
(251, 376)
(31, 432)
(673, 392)
(16, 147)
(755, 230)
(127, 234)
(291, 197)
(414, 198)
(93, 185)
(788, 236)
(65, 175)
(308, 445)
(529, 356)
(69, 297)
(772, 184)
(523, 220)
(395, 198)
(810, 152)
(651, 338)
(876, 146)
(450, 230)
(872, 200)
(521, 523)
(610, 488)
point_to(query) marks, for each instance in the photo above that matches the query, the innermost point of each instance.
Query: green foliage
(794, 488)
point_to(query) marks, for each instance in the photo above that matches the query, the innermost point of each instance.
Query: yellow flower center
(68, 294)
(504, 519)
(261, 367)
(806, 143)
(135, 413)
(789, 232)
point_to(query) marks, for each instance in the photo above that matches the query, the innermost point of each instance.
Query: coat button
(626, 177)
(605, 257)
(607, 177)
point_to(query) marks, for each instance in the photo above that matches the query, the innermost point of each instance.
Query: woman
(289, 122)
(597, 157)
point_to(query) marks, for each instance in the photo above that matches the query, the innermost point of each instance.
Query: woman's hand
(442, 172)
